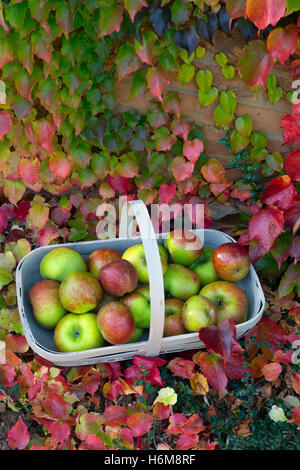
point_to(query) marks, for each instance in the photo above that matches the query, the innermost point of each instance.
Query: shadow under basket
(152, 343)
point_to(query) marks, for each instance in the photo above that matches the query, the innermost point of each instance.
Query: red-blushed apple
(139, 307)
(80, 292)
(231, 261)
(77, 333)
(115, 321)
(184, 246)
(173, 318)
(118, 278)
(99, 258)
(61, 261)
(230, 300)
(46, 306)
(136, 256)
(181, 282)
(198, 312)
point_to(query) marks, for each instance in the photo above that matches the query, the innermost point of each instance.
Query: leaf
(265, 12)
(138, 85)
(280, 192)
(140, 423)
(47, 235)
(193, 149)
(290, 280)
(266, 225)
(292, 5)
(186, 73)
(181, 169)
(244, 125)
(29, 170)
(213, 171)
(55, 406)
(281, 43)
(38, 213)
(256, 65)
(166, 396)
(156, 81)
(3, 222)
(180, 12)
(164, 140)
(166, 193)
(111, 17)
(127, 61)
(18, 435)
(133, 6)
(60, 165)
(2, 92)
(272, 371)
(274, 92)
(64, 17)
(292, 165)
(161, 20)
(92, 442)
(5, 124)
(290, 129)
(212, 366)
(180, 367)
(119, 183)
(5, 277)
(14, 190)
(144, 49)
(199, 384)
(224, 112)
(187, 39)
(44, 131)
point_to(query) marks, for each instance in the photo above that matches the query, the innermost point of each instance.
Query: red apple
(99, 258)
(230, 300)
(118, 278)
(231, 261)
(115, 322)
(173, 318)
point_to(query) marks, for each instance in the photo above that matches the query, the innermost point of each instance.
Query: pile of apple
(106, 299)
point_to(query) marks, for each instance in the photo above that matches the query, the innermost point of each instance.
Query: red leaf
(280, 192)
(181, 367)
(3, 222)
(59, 431)
(113, 370)
(120, 183)
(161, 411)
(292, 165)
(166, 193)
(290, 129)
(55, 406)
(265, 12)
(181, 129)
(29, 170)
(293, 213)
(227, 336)
(140, 423)
(281, 43)
(156, 81)
(44, 130)
(133, 6)
(269, 331)
(256, 65)
(5, 124)
(187, 441)
(213, 171)
(296, 383)
(92, 442)
(271, 371)
(266, 225)
(16, 343)
(148, 363)
(115, 415)
(193, 149)
(18, 435)
(60, 165)
(177, 422)
(193, 425)
(212, 366)
(295, 416)
(46, 236)
(181, 169)
(21, 210)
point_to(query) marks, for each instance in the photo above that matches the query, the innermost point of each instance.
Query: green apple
(204, 267)
(80, 292)
(181, 282)
(198, 312)
(136, 335)
(136, 256)
(145, 291)
(46, 305)
(140, 309)
(61, 261)
(173, 318)
(184, 246)
(230, 300)
(77, 333)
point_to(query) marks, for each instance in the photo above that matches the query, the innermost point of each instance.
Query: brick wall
(265, 117)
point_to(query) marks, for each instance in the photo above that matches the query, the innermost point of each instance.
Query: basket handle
(156, 281)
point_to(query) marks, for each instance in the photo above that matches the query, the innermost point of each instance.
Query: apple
(46, 305)
(184, 246)
(136, 256)
(115, 321)
(230, 300)
(204, 267)
(61, 261)
(173, 318)
(181, 282)
(99, 258)
(118, 278)
(136, 335)
(139, 307)
(145, 291)
(199, 312)
(77, 333)
(231, 261)
(80, 292)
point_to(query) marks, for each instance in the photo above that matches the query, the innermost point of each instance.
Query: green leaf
(204, 80)
(258, 155)
(127, 61)
(2, 92)
(274, 92)
(64, 17)
(100, 165)
(238, 142)
(258, 140)
(200, 52)
(186, 73)
(228, 72)
(275, 161)
(207, 98)
(138, 85)
(244, 125)
(180, 12)
(15, 14)
(221, 59)
(292, 5)
(168, 61)
(111, 16)
(5, 277)
(224, 112)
